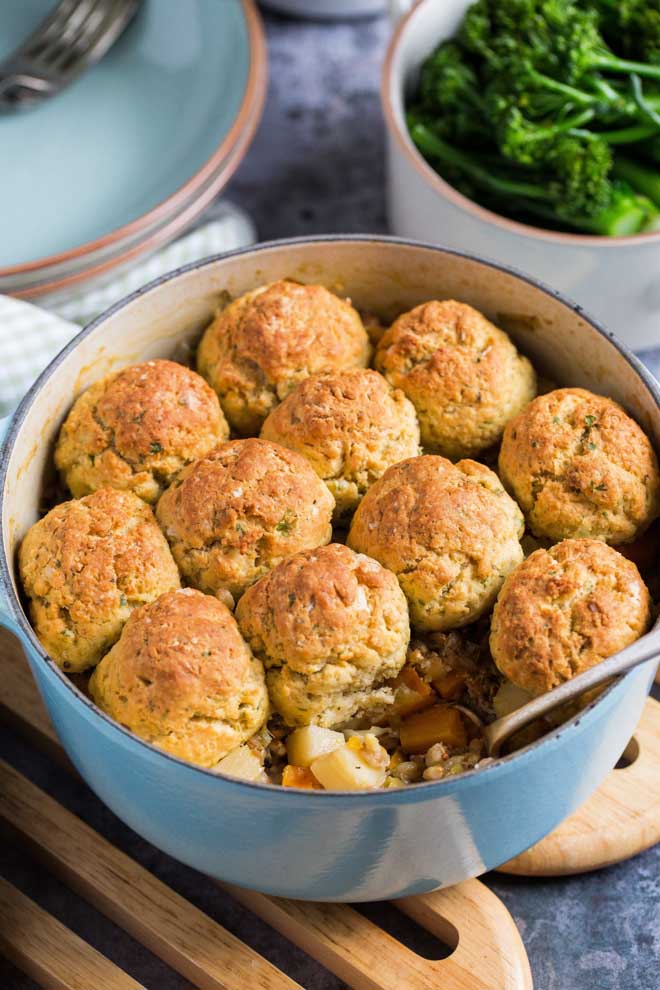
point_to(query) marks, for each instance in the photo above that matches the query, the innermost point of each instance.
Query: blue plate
(129, 134)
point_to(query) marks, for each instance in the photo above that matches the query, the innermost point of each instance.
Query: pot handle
(6, 619)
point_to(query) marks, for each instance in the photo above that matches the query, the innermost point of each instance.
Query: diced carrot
(450, 686)
(300, 777)
(412, 694)
(441, 723)
(409, 676)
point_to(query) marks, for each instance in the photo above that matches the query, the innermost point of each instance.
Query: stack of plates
(129, 155)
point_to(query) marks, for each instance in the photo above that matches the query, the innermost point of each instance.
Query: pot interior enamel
(357, 846)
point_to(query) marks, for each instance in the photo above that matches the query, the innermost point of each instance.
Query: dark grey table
(316, 166)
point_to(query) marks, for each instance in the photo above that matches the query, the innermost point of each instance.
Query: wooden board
(167, 924)
(488, 951)
(620, 820)
(48, 952)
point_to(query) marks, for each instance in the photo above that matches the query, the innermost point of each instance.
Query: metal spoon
(503, 728)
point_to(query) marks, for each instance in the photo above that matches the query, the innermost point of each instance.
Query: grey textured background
(316, 166)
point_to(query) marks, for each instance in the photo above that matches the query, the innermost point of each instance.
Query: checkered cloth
(31, 336)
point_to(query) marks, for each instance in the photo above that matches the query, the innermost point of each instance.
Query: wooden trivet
(488, 953)
(620, 820)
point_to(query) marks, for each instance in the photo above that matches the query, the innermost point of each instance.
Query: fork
(74, 36)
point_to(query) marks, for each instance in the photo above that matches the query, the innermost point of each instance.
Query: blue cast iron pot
(312, 845)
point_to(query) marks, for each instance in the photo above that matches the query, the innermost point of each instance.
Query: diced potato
(243, 762)
(412, 694)
(438, 724)
(300, 777)
(350, 768)
(509, 697)
(306, 745)
(450, 685)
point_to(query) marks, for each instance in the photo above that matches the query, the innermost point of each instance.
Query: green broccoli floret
(561, 38)
(626, 214)
(447, 77)
(631, 25)
(582, 169)
(449, 91)
(544, 64)
(529, 142)
(580, 198)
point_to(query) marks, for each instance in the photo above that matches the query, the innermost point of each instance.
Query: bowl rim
(172, 227)
(26, 632)
(255, 85)
(399, 134)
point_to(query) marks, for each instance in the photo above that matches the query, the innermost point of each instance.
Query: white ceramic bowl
(616, 279)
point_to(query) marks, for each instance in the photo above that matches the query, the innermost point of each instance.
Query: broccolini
(549, 111)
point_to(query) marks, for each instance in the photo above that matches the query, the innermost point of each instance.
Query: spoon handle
(638, 652)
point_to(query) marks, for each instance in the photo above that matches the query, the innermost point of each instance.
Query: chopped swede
(300, 777)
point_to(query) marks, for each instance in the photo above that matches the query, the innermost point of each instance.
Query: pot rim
(255, 87)
(399, 134)
(420, 790)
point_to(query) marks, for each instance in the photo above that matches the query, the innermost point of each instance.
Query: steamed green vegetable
(634, 25)
(549, 110)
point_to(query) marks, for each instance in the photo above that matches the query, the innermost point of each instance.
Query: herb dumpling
(182, 677)
(233, 515)
(448, 531)
(267, 341)
(331, 628)
(85, 566)
(137, 428)
(463, 375)
(579, 466)
(351, 426)
(564, 610)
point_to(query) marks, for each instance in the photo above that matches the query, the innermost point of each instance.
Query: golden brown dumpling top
(138, 428)
(565, 609)
(267, 341)
(579, 466)
(85, 566)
